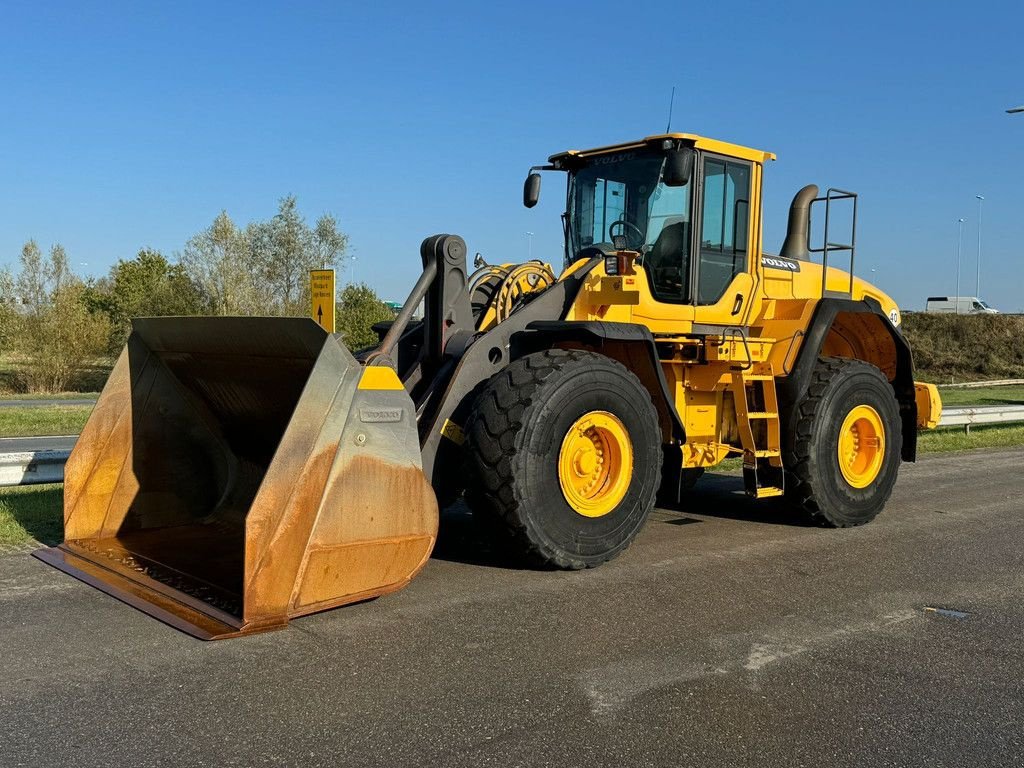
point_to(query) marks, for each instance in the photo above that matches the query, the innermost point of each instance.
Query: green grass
(31, 421)
(955, 439)
(31, 513)
(1012, 394)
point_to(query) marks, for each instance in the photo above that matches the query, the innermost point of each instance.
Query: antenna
(671, 102)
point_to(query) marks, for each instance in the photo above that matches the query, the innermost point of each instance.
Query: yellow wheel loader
(239, 472)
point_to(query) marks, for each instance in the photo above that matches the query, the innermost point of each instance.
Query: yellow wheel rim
(861, 446)
(595, 464)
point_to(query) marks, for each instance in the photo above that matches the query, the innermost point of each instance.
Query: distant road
(42, 403)
(44, 443)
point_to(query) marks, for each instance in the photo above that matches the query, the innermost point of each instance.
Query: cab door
(722, 273)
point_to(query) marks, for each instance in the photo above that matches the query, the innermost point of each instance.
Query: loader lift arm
(443, 360)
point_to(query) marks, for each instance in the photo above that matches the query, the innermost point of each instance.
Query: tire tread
(493, 439)
(803, 489)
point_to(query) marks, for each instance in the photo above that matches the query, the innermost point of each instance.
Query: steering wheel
(627, 224)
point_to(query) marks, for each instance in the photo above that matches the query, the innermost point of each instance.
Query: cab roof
(700, 142)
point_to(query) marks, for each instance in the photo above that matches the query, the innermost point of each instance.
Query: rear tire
(825, 484)
(517, 437)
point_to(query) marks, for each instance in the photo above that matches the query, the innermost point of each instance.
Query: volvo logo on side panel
(776, 263)
(380, 415)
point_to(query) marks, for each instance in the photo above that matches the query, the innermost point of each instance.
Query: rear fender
(860, 330)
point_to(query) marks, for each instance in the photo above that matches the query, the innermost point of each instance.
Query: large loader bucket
(238, 472)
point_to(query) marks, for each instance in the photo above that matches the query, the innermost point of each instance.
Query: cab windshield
(623, 194)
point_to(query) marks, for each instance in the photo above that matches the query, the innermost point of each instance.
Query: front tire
(564, 452)
(844, 452)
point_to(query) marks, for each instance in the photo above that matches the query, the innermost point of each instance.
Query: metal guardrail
(989, 414)
(982, 384)
(34, 467)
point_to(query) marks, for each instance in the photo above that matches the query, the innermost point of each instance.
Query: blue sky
(126, 125)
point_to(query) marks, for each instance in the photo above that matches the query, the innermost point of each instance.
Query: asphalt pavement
(44, 443)
(727, 636)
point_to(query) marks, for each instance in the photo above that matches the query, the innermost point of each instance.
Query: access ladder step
(757, 402)
(763, 482)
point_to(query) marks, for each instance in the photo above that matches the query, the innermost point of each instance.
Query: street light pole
(959, 244)
(977, 284)
(529, 246)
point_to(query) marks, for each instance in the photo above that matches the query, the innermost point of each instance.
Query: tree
(58, 270)
(287, 248)
(358, 309)
(8, 310)
(330, 242)
(65, 339)
(31, 281)
(218, 260)
(290, 256)
(53, 320)
(146, 286)
(54, 331)
(38, 282)
(263, 269)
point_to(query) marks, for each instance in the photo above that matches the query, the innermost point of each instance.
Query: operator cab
(668, 199)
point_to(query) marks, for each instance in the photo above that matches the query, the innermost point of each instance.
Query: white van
(961, 305)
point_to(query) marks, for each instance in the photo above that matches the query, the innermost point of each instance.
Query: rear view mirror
(531, 190)
(678, 167)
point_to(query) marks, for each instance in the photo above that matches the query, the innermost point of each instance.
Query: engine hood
(792, 279)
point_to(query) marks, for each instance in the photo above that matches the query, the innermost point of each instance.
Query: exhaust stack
(799, 226)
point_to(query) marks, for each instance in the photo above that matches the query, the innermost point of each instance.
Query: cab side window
(723, 240)
(599, 205)
(667, 257)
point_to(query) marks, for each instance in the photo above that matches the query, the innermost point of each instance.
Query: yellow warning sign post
(322, 297)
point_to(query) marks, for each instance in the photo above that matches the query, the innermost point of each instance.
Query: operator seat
(668, 261)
